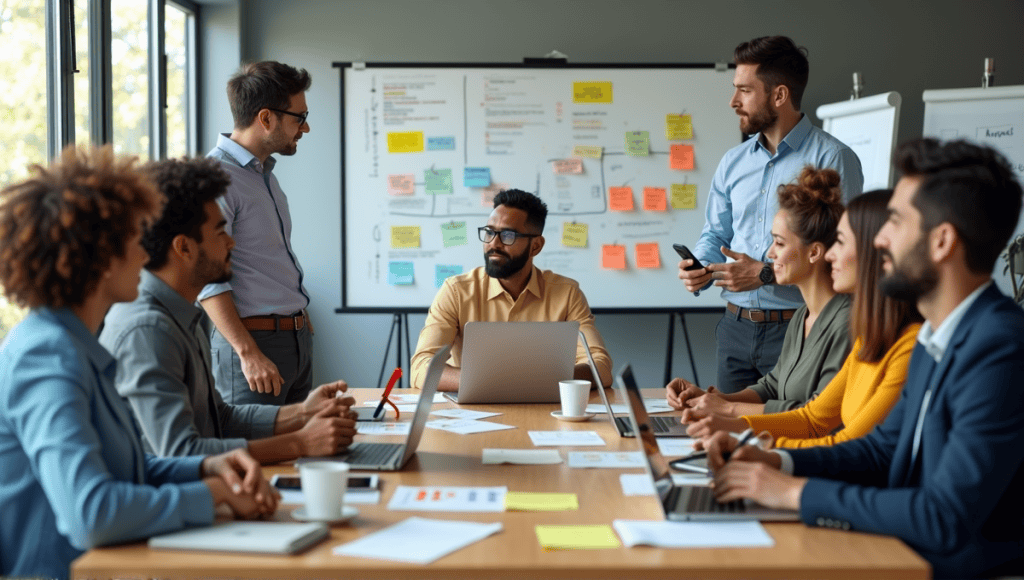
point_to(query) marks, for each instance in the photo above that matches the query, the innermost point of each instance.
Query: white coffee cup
(323, 487)
(575, 394)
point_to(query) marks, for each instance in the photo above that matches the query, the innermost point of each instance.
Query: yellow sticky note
(654, 199)
(595, 537)
(678, 127)
(574, 235)
(591, 151)
(592, 92)
(613, 257)
(647, 255)
(408, 142)
(523, 501)
(684, 196)
(405, 236)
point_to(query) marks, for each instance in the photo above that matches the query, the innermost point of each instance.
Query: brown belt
(756, 315)
(297, 322)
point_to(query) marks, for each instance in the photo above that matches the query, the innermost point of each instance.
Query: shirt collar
(182, 311)
(494, 288)
(99, 356)
(936, 341)
(793, 140)
(242, 156)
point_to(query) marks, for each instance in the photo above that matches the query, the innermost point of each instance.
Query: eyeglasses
(508, 237)
(300, 116)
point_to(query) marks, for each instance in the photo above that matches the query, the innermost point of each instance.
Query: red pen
(387, 391)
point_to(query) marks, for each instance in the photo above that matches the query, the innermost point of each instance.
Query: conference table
(445, 458)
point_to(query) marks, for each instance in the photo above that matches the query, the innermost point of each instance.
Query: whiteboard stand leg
(689, 350)
(668, 352)
(398, 320)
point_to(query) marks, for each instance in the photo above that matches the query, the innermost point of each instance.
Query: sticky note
(574, 235)
(445, 271)
(523, 501)
(590, 151)
(681, 157)
(409, 142)
(564, 166)
(684, 195)
(620, 198)
(638, 143)
(440, 143)
(592, 92)
(401, 184)
(647, 255)
(654, 199)
(405, 237)
(678, 127)
(400, 273)
(438, 181)
(454, 234)
(613, 257)
(594, 537)
(477, 177)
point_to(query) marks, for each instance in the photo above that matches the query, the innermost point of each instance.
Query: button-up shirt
(744, 199)
(267, 275)
(162, 346)
(936, 341)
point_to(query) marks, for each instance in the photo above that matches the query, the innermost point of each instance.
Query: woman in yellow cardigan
(885, 330)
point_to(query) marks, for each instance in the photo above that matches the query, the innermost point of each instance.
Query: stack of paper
(577, 537)
(581, 438)
(463, 414)
(523, 501)
(418, 540)
(662, 534)
(640, 483)
(466, 426)
(521, 456)
(609, 459)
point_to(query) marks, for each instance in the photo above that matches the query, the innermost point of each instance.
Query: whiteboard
(993, 116)
(868, 126)
(432, 122)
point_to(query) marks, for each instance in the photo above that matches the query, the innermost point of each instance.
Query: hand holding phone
(686, 254)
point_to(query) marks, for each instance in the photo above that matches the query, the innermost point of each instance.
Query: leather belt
(274, 322)
(757, 315)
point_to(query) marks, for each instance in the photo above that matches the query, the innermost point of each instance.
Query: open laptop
(515, 362)
(663, 426)
(258, 537)
(684, 502)
(367, 456)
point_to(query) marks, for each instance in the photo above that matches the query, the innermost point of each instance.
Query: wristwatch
(767, 274)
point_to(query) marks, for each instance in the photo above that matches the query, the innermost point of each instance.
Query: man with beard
(262, 343)
(507, 288)
(944, 471)
(161, 340)
(771, 73)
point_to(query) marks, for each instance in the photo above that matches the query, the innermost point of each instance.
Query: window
(179, 43)
(81, 82)
(129, 50)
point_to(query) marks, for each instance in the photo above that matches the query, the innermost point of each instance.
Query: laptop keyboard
(702, 500)
(658, 424)
(372, 453)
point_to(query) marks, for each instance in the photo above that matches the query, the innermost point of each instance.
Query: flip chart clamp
(988, 77)
(858, 86)
(553, 58)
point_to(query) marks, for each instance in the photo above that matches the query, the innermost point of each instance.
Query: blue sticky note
(477, 177)
(438, 181)
(400, 273)
(443, 271)
(440, 143)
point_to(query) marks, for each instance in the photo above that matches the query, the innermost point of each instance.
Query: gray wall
(906, 46)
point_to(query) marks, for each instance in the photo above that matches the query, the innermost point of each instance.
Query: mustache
(496, 253)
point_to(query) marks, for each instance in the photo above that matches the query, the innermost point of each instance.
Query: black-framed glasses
(508, 237)
(300, 116)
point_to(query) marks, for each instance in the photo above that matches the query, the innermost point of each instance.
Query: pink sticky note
(620, 198)
(654, 199)
(682, 157)
(401, 184)
(647, 255)
(563, 166)
(613, 257)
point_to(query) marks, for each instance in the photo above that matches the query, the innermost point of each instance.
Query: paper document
(544, 438)
(652, 406)
(640, 483)
(577, 537)
(523, 501)
(609, 459)
(662, 534)
(403, 408)
(675, 446)
(448, 499)
(463, 414)
(418, 540)
(466, 426)
(521, 456)
(372, 428)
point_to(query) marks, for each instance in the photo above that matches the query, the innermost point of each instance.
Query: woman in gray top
(818, 338)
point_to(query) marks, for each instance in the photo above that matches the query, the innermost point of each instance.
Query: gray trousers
(290, 350)
(746, 350)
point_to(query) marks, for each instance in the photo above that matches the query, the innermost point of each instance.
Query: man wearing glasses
(507, 288)
(262, 343)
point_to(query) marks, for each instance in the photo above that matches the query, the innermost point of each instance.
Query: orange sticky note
(620, 198)
(567, 166)
(613, 257)
(401, 184)
(647, 255)
(654, 199)
(682, 157)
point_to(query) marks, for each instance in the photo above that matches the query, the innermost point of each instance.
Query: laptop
(258, 537)
(663, 426)
(515, 362)
(684, 502)
(367, 456)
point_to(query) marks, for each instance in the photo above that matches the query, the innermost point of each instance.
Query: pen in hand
(745, 438)
(387, 391)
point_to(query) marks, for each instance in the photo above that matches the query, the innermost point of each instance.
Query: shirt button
(760, 219)
(763, 190)
(820, 521)
(771, 164)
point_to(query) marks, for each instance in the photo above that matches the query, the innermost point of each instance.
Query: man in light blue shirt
(771, 73)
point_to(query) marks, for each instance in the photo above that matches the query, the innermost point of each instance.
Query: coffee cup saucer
(347, 513)
(573, 419)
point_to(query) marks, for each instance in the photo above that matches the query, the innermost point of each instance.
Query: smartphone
(355, 482)
(686, 254)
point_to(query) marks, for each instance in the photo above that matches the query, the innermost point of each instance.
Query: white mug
(574, 394)
(323, 487)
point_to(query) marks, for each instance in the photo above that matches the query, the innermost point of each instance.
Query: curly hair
(264, 85)
(536, 210)
(188, 184)
(60, 228)
(814, 204)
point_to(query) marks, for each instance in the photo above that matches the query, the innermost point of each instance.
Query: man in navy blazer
(944, 471)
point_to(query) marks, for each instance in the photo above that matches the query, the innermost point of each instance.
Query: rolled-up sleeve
(439, 330)
(579, 310)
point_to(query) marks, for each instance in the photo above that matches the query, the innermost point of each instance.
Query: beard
(281, 143)
(511, 266)
(759, 121)
(908, 284)
(211, 272)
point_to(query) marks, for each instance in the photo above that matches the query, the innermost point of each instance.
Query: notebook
(259, 537)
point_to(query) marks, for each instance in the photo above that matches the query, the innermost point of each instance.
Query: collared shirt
(267, 275)
(935, 342)
(162, 345)
(475, 296)
(744, 199)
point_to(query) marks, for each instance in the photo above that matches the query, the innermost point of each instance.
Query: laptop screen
(656, 465)
(419, 419)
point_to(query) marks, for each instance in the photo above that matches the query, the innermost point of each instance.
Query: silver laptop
(684, 502)
(258, 537)
(515, 362)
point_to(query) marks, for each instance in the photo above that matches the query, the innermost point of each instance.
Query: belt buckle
(751, 311)
(298, 322)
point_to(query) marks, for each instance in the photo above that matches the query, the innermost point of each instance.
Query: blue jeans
(290, 350)
(746, 350)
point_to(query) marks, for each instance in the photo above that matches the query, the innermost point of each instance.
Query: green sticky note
(597, 537)
(454, 234)
(523, 501)
(438, 181)
(638, 143)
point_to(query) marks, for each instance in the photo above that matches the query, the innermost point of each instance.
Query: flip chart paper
(654, 199)
(418, 540)
(681, 157)
(678, 127)
(684, 195)
(647, 255)
(574, 235)
(477, 177)
(438, 181)
(401, 184)
(592, 92)
(589, 151)
(408, 142)
(440, 143)
(613, 257)
(524, 501)
(638, 143)
(444, 271)
(567, 166)
(454, 234)
(405, 237)
(620, 198)
(577, 537)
